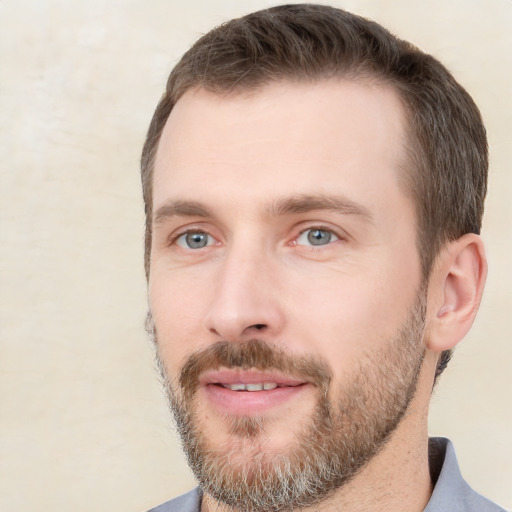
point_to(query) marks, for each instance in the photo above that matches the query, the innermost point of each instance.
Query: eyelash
(174, 238)
(319, 228)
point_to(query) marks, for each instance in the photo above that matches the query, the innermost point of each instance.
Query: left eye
(316, 237)
(194, 240)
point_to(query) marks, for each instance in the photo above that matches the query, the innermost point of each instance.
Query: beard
(342, 435)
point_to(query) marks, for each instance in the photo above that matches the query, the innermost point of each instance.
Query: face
(285, 285)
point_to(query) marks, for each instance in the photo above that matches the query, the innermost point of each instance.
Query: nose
(246, 300)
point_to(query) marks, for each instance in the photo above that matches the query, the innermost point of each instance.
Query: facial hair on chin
(340, 438)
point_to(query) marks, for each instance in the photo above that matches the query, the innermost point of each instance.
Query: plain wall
(83, 423)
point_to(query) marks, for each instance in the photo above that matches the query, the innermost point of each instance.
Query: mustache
(254, 353)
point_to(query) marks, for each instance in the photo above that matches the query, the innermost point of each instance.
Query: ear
(455, 290)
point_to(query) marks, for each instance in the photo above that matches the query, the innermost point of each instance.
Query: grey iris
(196, 240)
(319, 237)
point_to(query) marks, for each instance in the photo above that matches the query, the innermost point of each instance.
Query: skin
(225, 167)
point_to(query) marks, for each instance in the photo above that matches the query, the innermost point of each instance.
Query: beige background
(83, 424)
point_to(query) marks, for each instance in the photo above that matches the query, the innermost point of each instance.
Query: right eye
(194, 240)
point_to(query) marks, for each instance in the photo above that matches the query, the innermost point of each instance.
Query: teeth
(251, 387)
(237, 387)
(254, 387)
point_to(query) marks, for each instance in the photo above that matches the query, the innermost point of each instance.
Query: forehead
(282, 138)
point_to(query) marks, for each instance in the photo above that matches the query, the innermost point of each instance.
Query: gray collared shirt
(451, 493)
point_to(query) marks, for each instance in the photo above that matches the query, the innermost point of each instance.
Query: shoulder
(190, 502)
(451, 492)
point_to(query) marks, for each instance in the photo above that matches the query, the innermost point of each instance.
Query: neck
(397, 479)
(380, 486)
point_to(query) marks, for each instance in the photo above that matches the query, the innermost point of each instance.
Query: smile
(266, 386)
(249, 393)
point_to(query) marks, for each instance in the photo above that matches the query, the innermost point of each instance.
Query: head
(446, 167)
(296, 58)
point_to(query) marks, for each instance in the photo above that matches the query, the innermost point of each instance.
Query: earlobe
(459, 279)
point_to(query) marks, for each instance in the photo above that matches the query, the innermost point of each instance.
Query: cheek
(176, 305)
(342, 316)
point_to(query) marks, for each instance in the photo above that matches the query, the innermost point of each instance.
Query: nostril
(259, 326)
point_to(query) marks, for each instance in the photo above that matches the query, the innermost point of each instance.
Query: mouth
(249, 392)
(259, 386)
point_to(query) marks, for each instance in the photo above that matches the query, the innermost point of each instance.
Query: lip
(247, 377)
(249, 403)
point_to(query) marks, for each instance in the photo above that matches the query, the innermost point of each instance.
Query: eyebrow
(301, 203)
(304, 203)
(180, 209)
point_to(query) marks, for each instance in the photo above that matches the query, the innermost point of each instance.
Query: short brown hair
(446, 170)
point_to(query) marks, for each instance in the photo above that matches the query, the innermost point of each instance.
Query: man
(313, 191)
